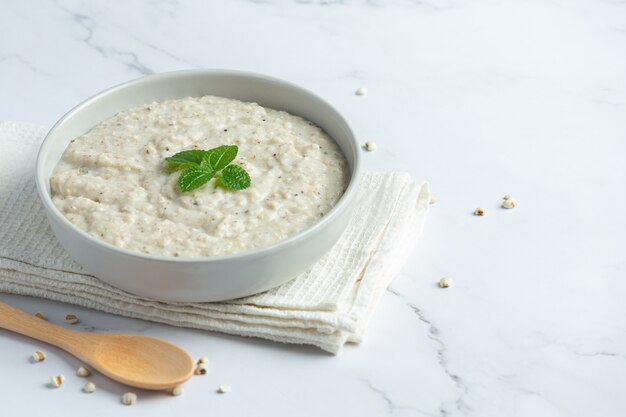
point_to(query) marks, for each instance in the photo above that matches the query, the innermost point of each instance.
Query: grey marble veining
(434, 335)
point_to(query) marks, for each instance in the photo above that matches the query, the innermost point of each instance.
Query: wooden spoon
(139, 361)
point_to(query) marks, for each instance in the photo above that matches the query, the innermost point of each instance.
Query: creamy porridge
(111, 182)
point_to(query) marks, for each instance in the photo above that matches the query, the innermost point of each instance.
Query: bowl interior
(266, 91)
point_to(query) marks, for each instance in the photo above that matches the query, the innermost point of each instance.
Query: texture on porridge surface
(111, 181)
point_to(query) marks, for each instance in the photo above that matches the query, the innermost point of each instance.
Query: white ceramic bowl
(211, 278)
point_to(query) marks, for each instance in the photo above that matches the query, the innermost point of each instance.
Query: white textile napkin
(327, 306)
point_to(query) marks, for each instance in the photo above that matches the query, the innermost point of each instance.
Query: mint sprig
(200, 166)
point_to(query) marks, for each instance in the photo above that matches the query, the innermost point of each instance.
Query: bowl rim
(341, 205)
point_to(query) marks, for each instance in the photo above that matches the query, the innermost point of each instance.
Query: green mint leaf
(218, 158)
(234, 177)
(185, 159)
(194, 177)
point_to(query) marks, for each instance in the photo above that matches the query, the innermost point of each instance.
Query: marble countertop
(480, 98)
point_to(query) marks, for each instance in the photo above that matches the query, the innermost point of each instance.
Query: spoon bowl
(141, 361)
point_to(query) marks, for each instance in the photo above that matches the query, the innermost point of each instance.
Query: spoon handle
(29, 325)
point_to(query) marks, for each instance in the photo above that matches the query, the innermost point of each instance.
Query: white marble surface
(481, 98)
